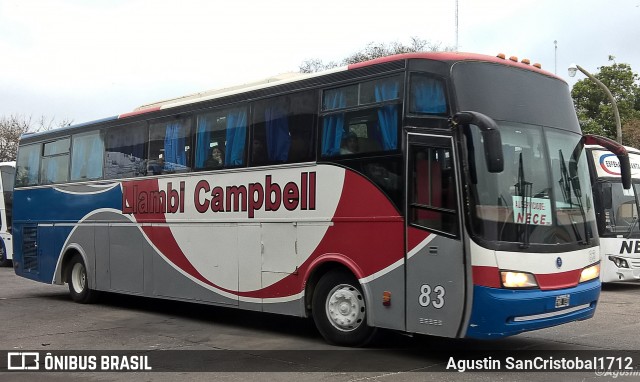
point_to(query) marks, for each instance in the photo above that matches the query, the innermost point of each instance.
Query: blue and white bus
(416, 192)
(617, 212)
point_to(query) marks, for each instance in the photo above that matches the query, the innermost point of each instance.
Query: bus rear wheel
(339, 310)
(4, 262)
(78, 280)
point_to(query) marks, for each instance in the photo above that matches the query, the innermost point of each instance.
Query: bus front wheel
(339, 310)
(78, 280)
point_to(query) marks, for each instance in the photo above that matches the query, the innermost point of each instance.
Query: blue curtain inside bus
(427, 96)
(203, 139)
(333, 125)
(387, 90)
(175, 156)
(278, 137)
(236, 137)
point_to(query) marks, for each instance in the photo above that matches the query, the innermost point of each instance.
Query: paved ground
(42, 317)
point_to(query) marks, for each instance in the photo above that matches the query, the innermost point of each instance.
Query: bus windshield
(543, 194)
(619, 212)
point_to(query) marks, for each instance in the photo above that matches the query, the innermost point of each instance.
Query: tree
(631, 133)
(12, 128)
(594, 108)
(373, 51)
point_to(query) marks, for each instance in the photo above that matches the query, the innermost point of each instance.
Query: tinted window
(432, 194)
(169, 147)
(369, 130)
(426, 95)
(55, 162)
(221, 138)
(283, 129)
(87, 156)
(126, 152)
(28, 165)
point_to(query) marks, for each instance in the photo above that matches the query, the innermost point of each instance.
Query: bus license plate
(562, 301)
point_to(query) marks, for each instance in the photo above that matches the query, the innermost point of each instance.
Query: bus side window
(169, 147)
(55, 162)
(211, 140)
(28, 165)
(374, 129)
(87, 156)
(426, 95)
(125, 153)
(282, 129)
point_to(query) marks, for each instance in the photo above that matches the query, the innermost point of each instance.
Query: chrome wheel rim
(78, 278)
(345, 308)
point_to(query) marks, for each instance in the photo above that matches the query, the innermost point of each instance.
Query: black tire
(339, 310)
(78, 280)
(4, 262)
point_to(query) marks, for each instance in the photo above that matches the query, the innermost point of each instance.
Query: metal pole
(456, 25)
(555, 57)
(611, 98)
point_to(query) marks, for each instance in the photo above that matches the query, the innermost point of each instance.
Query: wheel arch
(330, 263)
(62, 268)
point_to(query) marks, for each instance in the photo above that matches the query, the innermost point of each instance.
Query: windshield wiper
(523, 189)
(566, 184)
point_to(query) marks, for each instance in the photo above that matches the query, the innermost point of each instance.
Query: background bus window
(283, 129)
(426, 95)
(221, 138)
(125, 155)
(87, 156)
(28, 165)
(432, 193)
(55, 162)
(369, 130)
(169, 147)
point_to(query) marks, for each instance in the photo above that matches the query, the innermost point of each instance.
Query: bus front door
(435, 264)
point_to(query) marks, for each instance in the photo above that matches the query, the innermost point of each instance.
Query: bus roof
(598, 147)
(294, 77)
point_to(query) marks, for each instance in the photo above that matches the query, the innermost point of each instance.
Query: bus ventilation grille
(29, 248)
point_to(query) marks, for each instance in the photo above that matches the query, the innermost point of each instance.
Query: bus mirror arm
(490, 136)
(619, 150)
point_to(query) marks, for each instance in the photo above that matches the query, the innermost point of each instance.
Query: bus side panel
(391, 281)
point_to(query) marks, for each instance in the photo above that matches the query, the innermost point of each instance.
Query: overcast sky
(84, 60)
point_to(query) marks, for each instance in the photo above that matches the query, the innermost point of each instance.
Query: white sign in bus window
(536, 211)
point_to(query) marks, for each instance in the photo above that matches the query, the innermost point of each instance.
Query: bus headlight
(619, 262)
(590, 273)
(512, 279)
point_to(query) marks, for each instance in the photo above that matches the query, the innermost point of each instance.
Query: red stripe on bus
(365, 245)
(490, 277)
(415, 236)
(486, 276)
(138, 112)
(560, 280)
(451, 56)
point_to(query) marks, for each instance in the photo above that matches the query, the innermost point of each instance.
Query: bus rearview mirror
(492, 141)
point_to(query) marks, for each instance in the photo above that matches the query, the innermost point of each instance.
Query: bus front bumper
(505, 312)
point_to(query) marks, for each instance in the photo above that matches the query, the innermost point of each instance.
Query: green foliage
(373, 51)
(594, 109)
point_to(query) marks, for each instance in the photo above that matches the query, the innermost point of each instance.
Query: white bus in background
(7, 175)
(617, 212)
